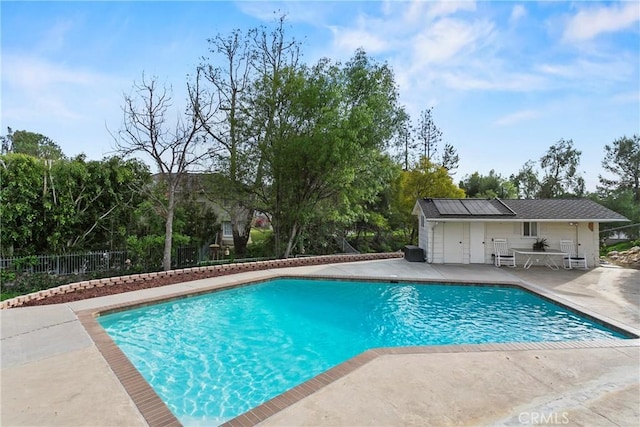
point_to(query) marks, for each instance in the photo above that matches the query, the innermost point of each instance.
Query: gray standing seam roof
(528, 209)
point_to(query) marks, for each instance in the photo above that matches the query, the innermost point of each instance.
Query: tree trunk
(292, 238)
(241, 216)
(168, 232)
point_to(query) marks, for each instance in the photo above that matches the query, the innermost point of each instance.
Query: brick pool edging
(215, 270)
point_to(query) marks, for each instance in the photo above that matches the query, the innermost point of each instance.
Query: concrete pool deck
(53, 374)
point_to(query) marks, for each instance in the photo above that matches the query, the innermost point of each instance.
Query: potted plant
(540, 244)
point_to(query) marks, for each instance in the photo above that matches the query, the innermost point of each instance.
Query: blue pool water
(213, 357)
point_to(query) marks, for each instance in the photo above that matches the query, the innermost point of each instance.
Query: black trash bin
(413, 253)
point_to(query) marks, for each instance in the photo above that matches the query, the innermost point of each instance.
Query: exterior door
(476, 243)
(453, 243)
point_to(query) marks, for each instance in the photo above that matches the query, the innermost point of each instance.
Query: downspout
(577, 224)
(433, 227)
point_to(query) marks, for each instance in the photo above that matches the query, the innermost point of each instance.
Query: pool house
(462, 231)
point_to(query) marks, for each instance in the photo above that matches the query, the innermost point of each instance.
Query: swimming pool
(215, 356)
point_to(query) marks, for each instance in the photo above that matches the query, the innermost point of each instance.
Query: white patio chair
(502, 255)
(574, 258)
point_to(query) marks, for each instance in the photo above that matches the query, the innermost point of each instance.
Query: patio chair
(573, 257)
(502, 255)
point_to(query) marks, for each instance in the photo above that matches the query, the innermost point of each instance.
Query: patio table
(545, 256)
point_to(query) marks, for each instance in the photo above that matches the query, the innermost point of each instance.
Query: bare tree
(221, 110)
(172, 147)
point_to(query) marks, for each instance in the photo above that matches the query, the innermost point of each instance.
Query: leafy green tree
(621, 200)
(404, 139)
(429, 135)
(197, 219)
(621, 193)
(426, 179)
(22, 225)
(560, 176)
(526, 181)
(326, 129)
(33, 144)
(378, 213)
(622, 158)
(237, 118)
(488, 186)
(91, 201)
(67, 205)
(450, 159)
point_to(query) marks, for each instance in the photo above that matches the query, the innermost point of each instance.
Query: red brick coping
(189, 273)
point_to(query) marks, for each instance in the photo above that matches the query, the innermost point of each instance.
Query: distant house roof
(517, 210)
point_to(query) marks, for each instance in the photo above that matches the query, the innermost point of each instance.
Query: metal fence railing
(99, 261)
(66, 264)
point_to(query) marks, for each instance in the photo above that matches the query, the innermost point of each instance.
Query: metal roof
(518, 210)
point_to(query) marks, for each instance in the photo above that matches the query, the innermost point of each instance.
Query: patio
(53, 374)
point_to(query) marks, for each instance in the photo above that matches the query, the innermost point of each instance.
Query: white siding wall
(466, 247)
(553, 232)
(423, 237)
(431, 238)
(437, 234)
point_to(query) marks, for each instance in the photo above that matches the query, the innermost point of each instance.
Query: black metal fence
(99, 261)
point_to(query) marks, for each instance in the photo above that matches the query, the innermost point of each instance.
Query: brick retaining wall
(218, 270)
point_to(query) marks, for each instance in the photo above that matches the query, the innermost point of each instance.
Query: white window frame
(422, 221)
(227, 230)
(532, 225)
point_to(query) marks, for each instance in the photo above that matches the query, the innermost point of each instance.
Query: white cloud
(517, 117)
(35, 87)
(349, 40)
(590, 22)
(558, 70)
(499, 80)
(447, 38)
(270, 11)
(517, 13)
(423, 40)
(632, 97)
(446, 8)
(33, 74)
(435, 47)
(55, 37)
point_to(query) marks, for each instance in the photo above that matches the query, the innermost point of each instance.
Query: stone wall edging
(221, 270)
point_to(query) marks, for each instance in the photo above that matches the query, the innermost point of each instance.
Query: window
(227, 231)
(422, 221)
(530, 229)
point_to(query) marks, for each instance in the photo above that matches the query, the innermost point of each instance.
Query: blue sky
(506, 79)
